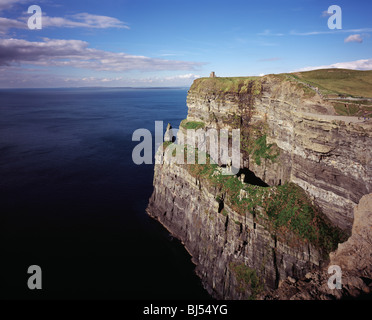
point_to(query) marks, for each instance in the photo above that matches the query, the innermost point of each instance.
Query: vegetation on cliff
(239, 85)
(262, 150)
(342, 82)
(247, 279)
(358, 108)
(285, 210)
(192, 124)
(331, 83)
(245, 90)
(254, 143)
(346, 90)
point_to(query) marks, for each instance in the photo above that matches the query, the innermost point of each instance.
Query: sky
(156, 43)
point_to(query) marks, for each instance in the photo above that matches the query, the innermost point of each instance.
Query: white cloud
(189, 76)
(269, 33)
(6, 24)
(7, 4)
(77, 54)
(84, 20)
(81, 20)
(326, 14)
(312, 33)
(364, 64)
(354, 38)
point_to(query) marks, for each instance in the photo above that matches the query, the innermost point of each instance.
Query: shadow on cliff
(251, 178)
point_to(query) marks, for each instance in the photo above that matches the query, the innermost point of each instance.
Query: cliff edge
(306, 161)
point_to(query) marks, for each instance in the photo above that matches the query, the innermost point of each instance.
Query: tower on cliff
(212, 75)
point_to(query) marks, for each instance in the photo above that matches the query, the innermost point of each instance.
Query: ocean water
(73, 202)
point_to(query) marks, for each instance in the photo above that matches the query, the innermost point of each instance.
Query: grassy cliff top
(226, 84)
(339, 81)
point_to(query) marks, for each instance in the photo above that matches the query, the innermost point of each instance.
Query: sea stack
(168, 136)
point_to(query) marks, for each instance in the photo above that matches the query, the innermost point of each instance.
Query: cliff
(354, 257)
(326, 154)
(236, 256)
(303, 169)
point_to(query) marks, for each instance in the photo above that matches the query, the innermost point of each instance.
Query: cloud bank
(80, 20)
(6, 24)
(77, 54)
(16, 77)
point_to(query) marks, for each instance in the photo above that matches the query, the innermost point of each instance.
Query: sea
(72, 201)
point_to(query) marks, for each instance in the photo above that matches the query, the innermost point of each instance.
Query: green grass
(341, 109)
(345, 108)
(286, 208)
(339, 81)
(254, 143)
(289, 209)
(308, 92)
(335, 83)
(240, 85)
(166, 144)
(343, 82)
(247, 278)
(262, 150)
(353, 109)
(192, 124)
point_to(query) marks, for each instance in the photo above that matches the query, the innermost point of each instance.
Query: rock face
(168, 136)
(222, 245)
(354, 257)
(329, 156)
(288, 135)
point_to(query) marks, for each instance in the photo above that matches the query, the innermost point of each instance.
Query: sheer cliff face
(238, 255)
(329, 156)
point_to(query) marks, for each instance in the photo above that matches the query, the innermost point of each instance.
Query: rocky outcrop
(354, 257)
(168, 136)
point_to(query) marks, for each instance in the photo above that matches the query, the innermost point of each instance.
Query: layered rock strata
(224, 246)
(237, 255)
(329, 156)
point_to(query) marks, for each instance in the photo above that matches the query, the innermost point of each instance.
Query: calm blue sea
(73, 202)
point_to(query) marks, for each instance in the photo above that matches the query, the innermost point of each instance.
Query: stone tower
(212, 75)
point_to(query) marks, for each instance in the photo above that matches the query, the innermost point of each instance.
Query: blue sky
(170, 43)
